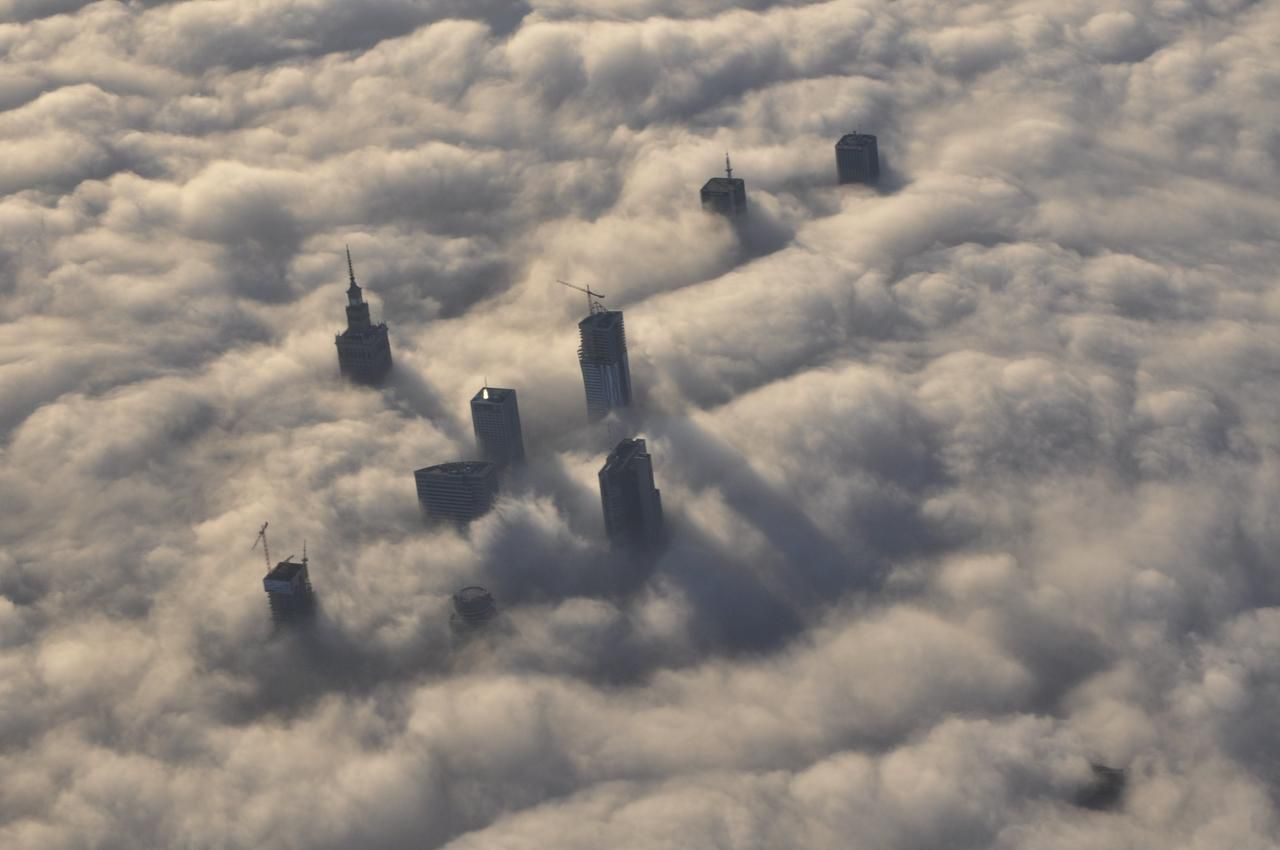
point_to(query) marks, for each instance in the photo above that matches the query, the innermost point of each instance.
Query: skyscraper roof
(855, 140)
(466, 468)
(494, 394)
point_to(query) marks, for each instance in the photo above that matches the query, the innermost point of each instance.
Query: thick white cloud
(971, 479)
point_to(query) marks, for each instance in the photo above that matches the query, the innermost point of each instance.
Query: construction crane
(266, 553)
(593, 298)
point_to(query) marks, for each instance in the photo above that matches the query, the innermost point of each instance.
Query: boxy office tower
(857, 158)
(364, 349)
(602, 354)
(495, 416)
(632, 504)
(457, 492)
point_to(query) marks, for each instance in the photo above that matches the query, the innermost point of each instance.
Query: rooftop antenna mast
(593, 298)
(266, 553)
(728, 169)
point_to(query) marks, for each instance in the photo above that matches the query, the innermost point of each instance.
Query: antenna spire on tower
(351, 271)
(728, 169)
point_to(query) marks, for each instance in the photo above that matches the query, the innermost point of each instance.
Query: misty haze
(642, 424)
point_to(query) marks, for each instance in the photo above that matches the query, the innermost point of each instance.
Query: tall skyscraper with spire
(725, 195)
(364, 349)
(602, 354)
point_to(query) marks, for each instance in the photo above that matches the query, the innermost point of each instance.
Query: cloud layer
(972, 480)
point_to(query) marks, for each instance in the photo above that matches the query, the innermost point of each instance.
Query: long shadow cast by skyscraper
(410, 393)
(297, 666)
(820, 568)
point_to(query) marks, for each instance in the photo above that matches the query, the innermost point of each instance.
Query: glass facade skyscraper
(602, 354)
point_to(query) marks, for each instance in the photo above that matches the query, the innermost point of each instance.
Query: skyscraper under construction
(602, 354)
(289, 593)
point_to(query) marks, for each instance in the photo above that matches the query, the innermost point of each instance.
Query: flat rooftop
(286, 571)
(462, 468)
(471, 593)
(855, 140)
(604, 319)
(493, 394)
(723, 184)
(474, 603)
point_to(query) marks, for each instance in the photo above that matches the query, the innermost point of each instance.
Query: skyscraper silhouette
(495, 416)
(288, 588)
(632, 504)
(458, 492)
(602, 354)
(473, 608)
(364, 349)
(725, 195)
(857, 158)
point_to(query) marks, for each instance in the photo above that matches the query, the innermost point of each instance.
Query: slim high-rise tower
(602, 354)
(288, 588)
(632, 504)
(364, 349)
(857, 158)
(495, 416)
(725, 195)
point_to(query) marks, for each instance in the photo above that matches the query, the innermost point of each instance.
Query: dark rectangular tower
(495, 416)
(364, 349)
(857, 158)
(602, 354)
(632, 504)
(288, 590)
(725, 195)
(459, 491)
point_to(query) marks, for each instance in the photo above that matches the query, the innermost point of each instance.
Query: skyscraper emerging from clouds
(632, 504)
(473, 608)
(602, 354)
(857, 158)
(364, 349)
(457, 492)
(725, 195)
(495, 416)
(288, 588)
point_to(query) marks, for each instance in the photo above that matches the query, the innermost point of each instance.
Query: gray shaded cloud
(971, 478)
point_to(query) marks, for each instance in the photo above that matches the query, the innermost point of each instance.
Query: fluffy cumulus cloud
(972, 480)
